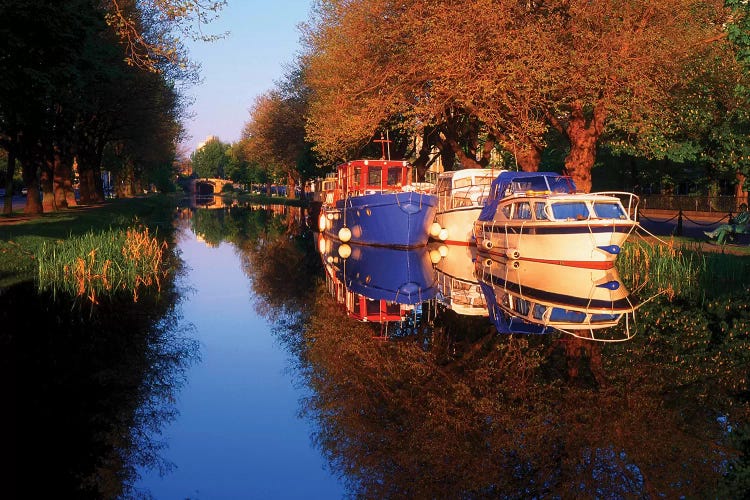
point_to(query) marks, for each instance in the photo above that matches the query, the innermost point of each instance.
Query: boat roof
(534, 181)
(469, 172)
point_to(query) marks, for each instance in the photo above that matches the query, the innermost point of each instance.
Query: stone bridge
(207, 187)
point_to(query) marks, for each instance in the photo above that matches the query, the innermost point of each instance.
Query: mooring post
(678, 232)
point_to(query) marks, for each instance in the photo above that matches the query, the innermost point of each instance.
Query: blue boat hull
(384, 219)
(380, 273)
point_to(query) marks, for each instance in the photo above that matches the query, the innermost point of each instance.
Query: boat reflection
(539, 297)
(458, 287)
(377, 284)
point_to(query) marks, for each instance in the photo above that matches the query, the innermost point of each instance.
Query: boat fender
(487, 244)
(443, 234)
(435, 256)
(345, 234)
(322, 245)
(512, 253)
(435, 229)
(443, 249)
(322, 222)
(487, 262)
(613, 249)
(345, 251)
(516, 264)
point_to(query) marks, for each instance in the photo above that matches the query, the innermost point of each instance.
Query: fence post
(678, 232)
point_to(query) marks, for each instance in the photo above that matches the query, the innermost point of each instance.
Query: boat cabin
(546, 196)
(361, 177)
(462, 188)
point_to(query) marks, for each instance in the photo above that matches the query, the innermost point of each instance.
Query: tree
(211, 159)
(274, 136)
(518, 69)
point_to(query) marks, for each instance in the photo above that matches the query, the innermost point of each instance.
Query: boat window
(462, 182)
(566, 315)
(355, 178)
(521, 306)
(538, 312)
(523, 211)
(609, 210)
(530, 184)
(604, 318)
(506, 211)
(539, 211)
(373, 307)
(484, 181)
(561, 185)
(394, 176)
(444, 187)
(576, 210)
(393, 308)
(374, 176)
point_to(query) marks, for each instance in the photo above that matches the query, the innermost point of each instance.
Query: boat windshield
(553, 184)
(575, 210)
(609, 210)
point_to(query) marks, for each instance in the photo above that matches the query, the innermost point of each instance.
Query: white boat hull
(592, 244)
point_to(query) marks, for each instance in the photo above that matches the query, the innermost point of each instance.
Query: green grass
(682, 268)
(22, 240)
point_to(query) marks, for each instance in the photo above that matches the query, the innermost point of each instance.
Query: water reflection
(86, 389)
(378, 284)
(537, 297)
(459, 288)
(450, 409)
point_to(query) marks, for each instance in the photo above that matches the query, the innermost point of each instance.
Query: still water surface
(255, 377)
(238, 434)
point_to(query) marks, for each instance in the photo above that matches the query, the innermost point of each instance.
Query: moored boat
(457, 285)
(541, 296)
(373, 202)
(377, 283)
(461, 194)
(540, 216)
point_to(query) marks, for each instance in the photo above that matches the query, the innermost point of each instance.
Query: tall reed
(103, 263)
(685, 270)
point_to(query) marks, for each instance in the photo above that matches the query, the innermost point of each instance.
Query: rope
(659, 221)
(706, 223)
(652, 235)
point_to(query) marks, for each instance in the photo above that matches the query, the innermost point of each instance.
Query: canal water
(282, 364)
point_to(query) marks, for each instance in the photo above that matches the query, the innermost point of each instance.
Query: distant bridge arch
(207, 186)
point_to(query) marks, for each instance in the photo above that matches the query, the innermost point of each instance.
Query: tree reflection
(474, 414)
(510, 416)
(87, 391)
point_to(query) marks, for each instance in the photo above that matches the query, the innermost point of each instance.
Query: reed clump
(684, 270)
(96, 264)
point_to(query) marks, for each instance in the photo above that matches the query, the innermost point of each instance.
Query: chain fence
(719, 204)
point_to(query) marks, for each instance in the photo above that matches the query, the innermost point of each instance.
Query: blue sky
(264, 36)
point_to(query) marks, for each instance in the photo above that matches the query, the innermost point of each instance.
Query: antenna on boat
(383, 143)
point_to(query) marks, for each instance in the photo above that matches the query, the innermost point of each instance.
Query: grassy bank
(23, 238)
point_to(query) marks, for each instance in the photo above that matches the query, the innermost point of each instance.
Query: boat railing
(465, 196)
(629, 201)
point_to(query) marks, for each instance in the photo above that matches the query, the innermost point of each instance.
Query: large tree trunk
(9, 171)
(31, 181)
(583, 135)
(529, 159)
(291, 188)
(739, 191)
(46, 183)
